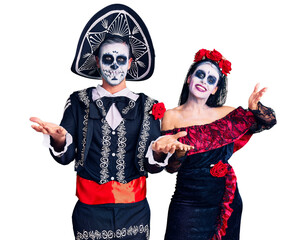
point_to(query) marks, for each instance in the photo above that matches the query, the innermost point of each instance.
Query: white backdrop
(264, 40)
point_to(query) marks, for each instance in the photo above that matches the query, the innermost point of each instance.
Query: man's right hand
(57, 133)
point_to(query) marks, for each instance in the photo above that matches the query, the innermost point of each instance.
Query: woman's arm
(265, 116)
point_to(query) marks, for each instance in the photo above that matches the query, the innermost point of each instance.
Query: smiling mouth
(200, 88)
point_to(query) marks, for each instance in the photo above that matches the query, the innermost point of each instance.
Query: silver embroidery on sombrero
(95, 39)
(120, 26)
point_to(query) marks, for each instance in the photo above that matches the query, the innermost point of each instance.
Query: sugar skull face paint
(114, 62)
(204, 80)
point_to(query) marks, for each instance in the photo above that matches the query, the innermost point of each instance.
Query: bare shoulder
(224, 110)
(170, 118)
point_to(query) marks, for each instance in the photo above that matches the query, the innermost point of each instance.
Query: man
(107, 129)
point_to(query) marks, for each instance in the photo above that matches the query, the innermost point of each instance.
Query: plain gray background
(264, 40)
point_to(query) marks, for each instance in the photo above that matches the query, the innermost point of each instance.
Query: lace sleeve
(175, 161)
(265, 118)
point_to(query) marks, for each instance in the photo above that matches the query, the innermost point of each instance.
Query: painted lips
(200, 88)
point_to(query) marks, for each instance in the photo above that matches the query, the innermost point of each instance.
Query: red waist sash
(90, 192)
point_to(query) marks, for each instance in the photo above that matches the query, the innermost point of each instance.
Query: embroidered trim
(144, 132)
(84, 98)
(129, 107)
(110, 234)
(100, 105)
(104, 160)
(121, 152)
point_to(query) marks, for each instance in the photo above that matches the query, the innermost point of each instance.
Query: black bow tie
(120, 102)
(124, 105)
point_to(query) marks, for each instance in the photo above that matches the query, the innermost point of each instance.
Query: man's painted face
(114, 62)
(204, 80)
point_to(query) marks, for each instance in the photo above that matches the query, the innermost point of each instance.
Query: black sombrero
(115, 20)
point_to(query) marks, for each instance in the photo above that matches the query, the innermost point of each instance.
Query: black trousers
(112, 221)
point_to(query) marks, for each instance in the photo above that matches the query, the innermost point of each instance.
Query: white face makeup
(204, 80)
(114, 62)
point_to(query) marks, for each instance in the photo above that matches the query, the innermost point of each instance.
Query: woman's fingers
(180, 134)
(256, 88)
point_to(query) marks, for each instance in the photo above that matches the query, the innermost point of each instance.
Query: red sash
(90, 192)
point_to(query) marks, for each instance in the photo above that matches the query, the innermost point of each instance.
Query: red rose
(226, 66)
(158, 110)
(215, 56)
(219, 169)
(200, 54)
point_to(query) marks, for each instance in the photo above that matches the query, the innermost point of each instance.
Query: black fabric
(120, 102)
(195, 205)
(112, 221)
(84, 122)
(118, 146)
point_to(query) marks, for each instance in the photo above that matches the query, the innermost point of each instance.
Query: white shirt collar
(99, 92)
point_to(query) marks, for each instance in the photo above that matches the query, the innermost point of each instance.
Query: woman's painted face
(204, 80)
(114, 62)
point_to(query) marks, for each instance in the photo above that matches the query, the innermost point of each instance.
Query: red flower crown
(215, 56)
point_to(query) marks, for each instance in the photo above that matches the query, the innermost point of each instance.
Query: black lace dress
(206, 203)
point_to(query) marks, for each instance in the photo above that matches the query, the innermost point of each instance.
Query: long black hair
(216, 100)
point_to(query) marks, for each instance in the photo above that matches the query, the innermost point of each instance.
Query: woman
(206, 203)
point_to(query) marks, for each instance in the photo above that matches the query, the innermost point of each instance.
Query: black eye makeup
(211, 80)
(200, 74)
(107, 59)
(121, 60)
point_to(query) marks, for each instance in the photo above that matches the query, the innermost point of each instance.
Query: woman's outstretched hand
(170, 143)
(256, 96)
(57, 133)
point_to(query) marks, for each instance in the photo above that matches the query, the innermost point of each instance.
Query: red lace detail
(241, 142)
(226, 210)
(218, 133)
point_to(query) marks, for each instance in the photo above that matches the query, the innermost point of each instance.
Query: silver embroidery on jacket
(100, 105)
(121, 152)
(104, 160)
(131, 105)
(144, 132)
(84, 98)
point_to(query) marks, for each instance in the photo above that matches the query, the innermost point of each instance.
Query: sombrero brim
(115, 20)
